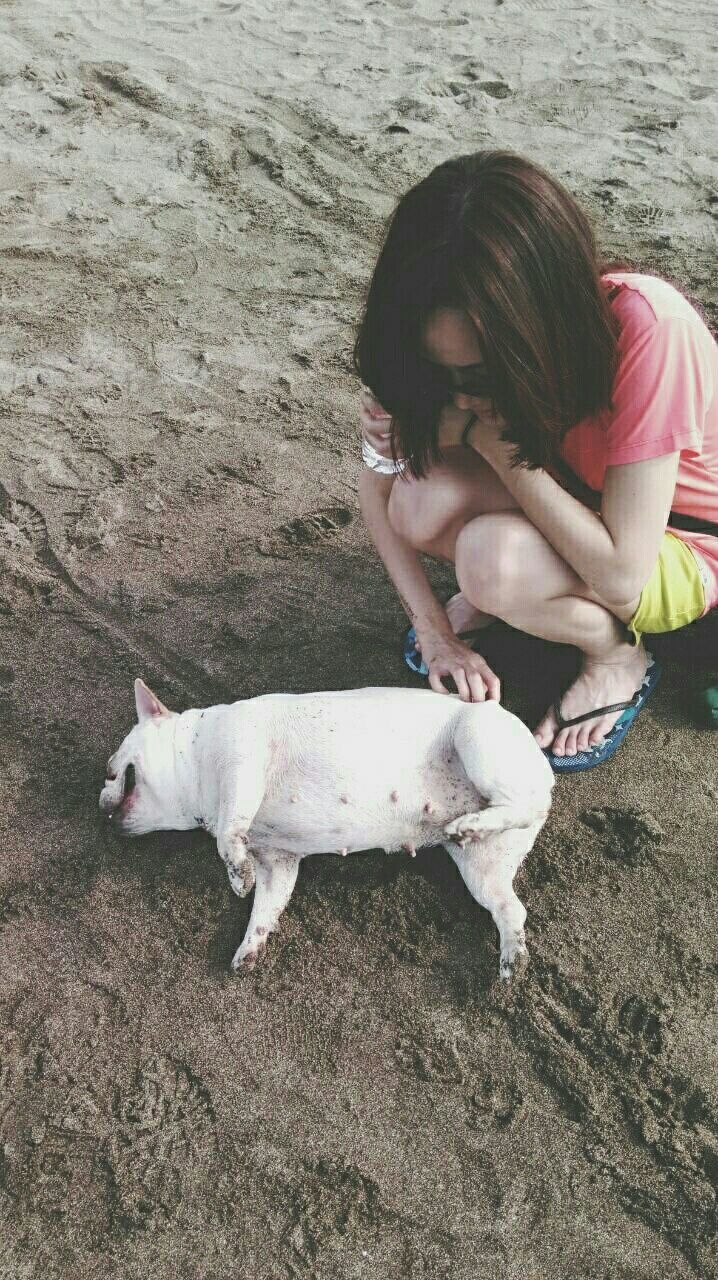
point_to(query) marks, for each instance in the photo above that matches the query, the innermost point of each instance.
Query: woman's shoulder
(642, 301)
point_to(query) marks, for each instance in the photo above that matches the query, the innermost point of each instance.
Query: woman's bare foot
(464, 616)
(599, 684)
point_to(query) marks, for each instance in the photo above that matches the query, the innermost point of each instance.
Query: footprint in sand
(106, 82)
(429, 1056)
(305, 533)
(495, 1098)
(24, 527)
(494, 89)
(62, 1175)
(25, 547)
(331, 1199)
(629, 835)
(165, 1123)
(642, 1023)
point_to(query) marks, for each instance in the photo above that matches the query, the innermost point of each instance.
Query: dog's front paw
(241, 875)
(464, 830)
(514, 960)
(232, 848)
(246, 957)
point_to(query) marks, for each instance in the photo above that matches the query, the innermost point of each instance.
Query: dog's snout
(118, 787)
(108, 803)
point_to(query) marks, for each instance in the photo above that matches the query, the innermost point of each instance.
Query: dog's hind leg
(493, 820)
(276, 876)
(501, 758)
(488, 868)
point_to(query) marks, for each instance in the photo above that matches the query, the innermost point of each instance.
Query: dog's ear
(147, 703)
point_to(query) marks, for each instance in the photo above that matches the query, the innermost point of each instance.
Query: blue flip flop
(592, 756)
(412, 657)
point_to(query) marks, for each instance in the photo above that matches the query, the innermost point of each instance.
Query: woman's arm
(442, 651)
(401, 561)
(613, 552)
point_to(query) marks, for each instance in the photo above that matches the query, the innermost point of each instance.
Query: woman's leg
(431, 513)
(504, 562)
(507, 569)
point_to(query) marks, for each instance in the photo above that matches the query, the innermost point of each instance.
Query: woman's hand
(446, 655)
(375, 424)
(453, 422)
(487, 431)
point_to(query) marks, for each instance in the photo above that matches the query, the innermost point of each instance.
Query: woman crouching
(549, 425)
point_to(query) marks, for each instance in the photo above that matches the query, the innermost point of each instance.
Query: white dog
(281, 776)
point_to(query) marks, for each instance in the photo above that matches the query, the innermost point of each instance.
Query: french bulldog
(278, 777)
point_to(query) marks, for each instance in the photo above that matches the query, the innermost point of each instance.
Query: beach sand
(192, 199)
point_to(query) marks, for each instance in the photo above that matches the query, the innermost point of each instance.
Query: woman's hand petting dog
(446, 655)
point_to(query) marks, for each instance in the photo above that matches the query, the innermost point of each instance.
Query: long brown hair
(495, 235)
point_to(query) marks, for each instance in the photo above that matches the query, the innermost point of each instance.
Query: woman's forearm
(400, 560)
(578, 534)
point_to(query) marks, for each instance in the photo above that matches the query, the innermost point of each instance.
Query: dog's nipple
(394, 797)
(344, 852)
(410, 848)
(293, 799)
(344, 799)
(428, 808)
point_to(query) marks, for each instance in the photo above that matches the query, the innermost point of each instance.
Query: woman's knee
(494, 560)
(422, 511)
(429, 512)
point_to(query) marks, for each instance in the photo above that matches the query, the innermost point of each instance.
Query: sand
(191, 203)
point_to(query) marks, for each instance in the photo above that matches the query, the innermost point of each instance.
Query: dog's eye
(110, 774)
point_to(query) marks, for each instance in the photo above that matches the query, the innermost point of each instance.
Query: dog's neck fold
(187, 776)
(195, 780)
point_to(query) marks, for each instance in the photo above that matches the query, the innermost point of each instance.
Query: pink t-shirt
(665, 398)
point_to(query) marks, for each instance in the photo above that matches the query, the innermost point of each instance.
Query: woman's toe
(599, 731)
(545, 731)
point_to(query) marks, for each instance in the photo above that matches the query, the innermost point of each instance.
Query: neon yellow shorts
(674, 594)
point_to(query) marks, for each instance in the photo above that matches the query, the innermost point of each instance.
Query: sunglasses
(470, 380)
